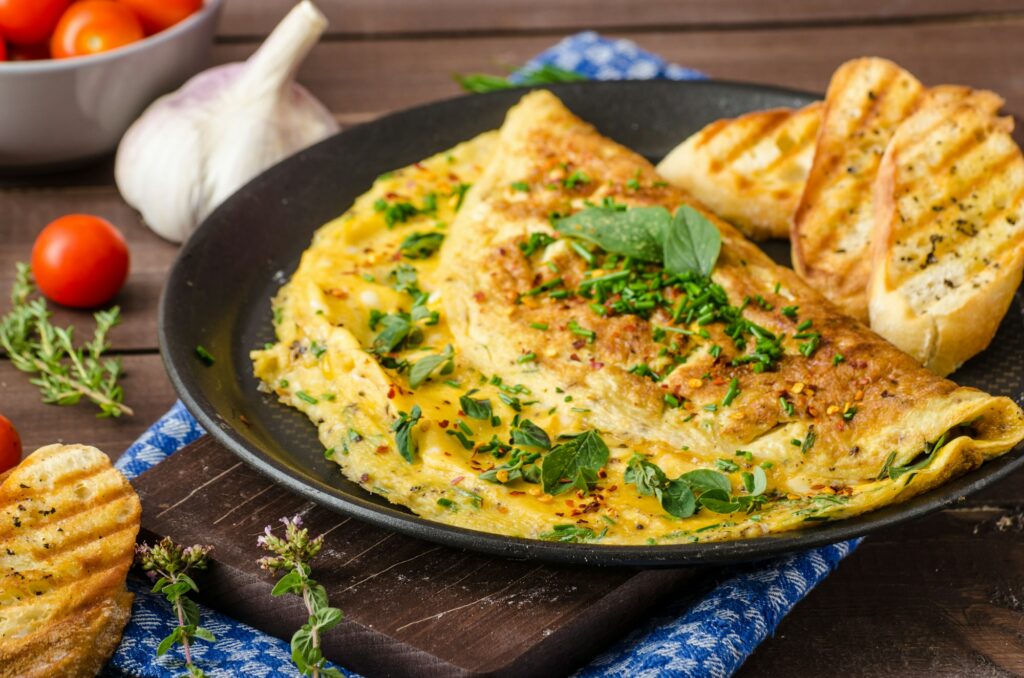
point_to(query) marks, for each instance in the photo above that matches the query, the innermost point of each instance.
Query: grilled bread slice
(948, 245)
(68, 522)
(866, 101)
(749, 170)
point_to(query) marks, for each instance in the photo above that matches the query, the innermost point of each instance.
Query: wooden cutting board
(412, 608)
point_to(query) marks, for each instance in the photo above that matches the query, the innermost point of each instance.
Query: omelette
(532, 334)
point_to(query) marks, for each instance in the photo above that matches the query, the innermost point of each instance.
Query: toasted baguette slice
(68, 522)
(749, 170)
(948, 246)
(866, 100)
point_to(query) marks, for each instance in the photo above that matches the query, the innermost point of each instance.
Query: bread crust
(68, 523)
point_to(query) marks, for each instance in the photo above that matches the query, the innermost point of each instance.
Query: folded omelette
(531, 334)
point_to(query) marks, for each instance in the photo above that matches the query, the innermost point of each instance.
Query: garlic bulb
(193, 148)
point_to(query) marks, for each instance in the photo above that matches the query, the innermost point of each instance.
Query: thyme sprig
(169, 564)
(64, 374)
(293, 555)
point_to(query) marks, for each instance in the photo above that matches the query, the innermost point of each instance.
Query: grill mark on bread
(768, 124)
(930, 215)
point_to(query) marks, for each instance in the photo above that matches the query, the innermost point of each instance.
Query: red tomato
(28, 52)
(10, 445)
(156, 15)
(94, 26)
(3, 49)
(80, 261)
(26, 22)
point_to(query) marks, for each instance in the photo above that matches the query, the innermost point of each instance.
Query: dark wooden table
(941, 596)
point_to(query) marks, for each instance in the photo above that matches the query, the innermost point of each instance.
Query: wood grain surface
(411, 608)
(940, 597)
(418, 17)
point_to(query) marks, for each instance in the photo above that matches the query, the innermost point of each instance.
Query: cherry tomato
(94, 26)
(26, 22)
(156, 15)
(3, 49)
(10, 445)
(80, 261)
(29, 52)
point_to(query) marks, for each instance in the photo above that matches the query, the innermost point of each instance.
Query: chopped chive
(543, 327)
(579, 331)
(730, 395)
(205, 356)
(787, 406)
(543, 287)
(302, 395)
(837, 358)
(526, 358)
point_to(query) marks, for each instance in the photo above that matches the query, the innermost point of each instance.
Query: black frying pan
(219, 291)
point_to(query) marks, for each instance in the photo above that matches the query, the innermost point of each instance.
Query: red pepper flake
(383, 449)
(516, 493)
(595, 365)
(456, 481)
(574, 357)
(390, 195)
(444, 423)
(579, 343)
(365, 478)
(718, 381)
(602, 474)
(613, 488)
(568, 502)
(336, 293)
(419, 166)
(391, 392)
(480, 297)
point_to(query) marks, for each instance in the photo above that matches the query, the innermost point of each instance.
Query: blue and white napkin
(707, 636)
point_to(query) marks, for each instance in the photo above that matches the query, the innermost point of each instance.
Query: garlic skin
(193, 148)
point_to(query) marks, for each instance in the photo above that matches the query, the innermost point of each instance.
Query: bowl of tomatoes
(74, 74)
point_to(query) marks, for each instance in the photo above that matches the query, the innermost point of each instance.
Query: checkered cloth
(709, 636)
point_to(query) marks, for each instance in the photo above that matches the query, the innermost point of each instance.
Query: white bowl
(64, 112)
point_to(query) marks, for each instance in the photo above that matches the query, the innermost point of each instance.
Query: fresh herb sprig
(293, 555)
(574, 463)
(170, 564)
(685, 243)
(573, 534)
(479, 83)
(702, 488)
(895, 472)
(65, 374)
